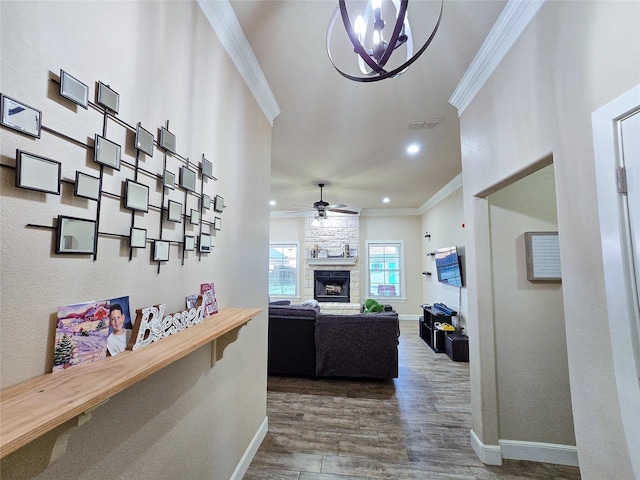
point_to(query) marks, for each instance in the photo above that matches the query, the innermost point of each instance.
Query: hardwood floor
(414, 427)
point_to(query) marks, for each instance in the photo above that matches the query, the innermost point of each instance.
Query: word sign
(151, 325)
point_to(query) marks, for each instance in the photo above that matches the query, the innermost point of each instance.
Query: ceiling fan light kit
(369, 27)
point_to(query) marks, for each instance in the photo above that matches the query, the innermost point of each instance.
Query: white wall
(572, 58)
(188, 420)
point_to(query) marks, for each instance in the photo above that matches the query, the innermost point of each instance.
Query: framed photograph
(138, 238)
(167, 140)
(217, 223)
(543, 256)
(188, 179)
(120, 325)
(73, 89)
(218, 203)
(206, 201)
(205, 242)
(161, 251)
(107, 153)
(108, 98)
(87, 186)
(136, 196)
(174, 211)
(189, 243)
(76, 235)
(34, 172)
(144, 140)
(207, 168)
(169, 179)
(194, 218)
(21, 117)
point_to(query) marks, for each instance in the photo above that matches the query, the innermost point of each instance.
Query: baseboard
(251, 451)
(521, 450)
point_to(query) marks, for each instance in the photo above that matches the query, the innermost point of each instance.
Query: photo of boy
(119, 325)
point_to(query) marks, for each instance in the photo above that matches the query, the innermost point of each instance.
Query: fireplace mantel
(332, 261)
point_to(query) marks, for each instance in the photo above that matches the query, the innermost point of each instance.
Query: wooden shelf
(33, 408)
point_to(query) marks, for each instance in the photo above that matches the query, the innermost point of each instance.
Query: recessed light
(386, 200)
(272, 203)
(413, 149)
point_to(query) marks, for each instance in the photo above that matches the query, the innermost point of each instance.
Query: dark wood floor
(414, 427)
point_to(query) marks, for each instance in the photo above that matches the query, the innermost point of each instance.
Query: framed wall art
(189, 243)
(174, 211)
(207, 168)
(34, 172)
(218, 203)
(138, 238)
(106, 152)
(167, 140)
(161, 251)
(21, 117)
(144, 140)
(136, 196)
(87, 186)
(205, 242)
(206, 201)
(108, 98)
(169, 179)
(76, 235)
(188, 179)
(73, 89)
(543, 256)
(217, 223)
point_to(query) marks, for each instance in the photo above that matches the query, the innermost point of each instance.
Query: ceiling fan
(322, 207)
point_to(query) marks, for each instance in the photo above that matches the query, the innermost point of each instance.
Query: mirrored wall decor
(194, 218)
(161, 251)
(34, 172)
(144, 140)
(206, 201)
(74, 89)
(21, 117)
(76, 235)
(169, 179)
(167, 140)
(136, 196)
(188, 179)
(189, 243)
(218, 203)
(107, 153)
(138, 238)
(205, 242)
(174, 211)
(108, 98)
(207, 168)
(217, 223)
(87, 186)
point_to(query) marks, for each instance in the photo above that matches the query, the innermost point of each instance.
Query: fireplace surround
(331, 285)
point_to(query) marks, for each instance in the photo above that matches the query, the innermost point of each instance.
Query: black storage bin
(457, 347)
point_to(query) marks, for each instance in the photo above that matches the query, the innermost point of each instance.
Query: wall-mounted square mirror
(169, 179)
(161, 251)
(206, 201)
(188, 179)
(21, 117)
(74, 89)
(174, 211)
(205, 242)
(37, 173)
(217, 223)
(167, 140)
(136, 196)
(195, 217)
(144, 140)
(138, 238)
(218, 203)
(107, 153)
(108, 98)
(189, 243)
(87, 186)
(76, 235)
(207, 168)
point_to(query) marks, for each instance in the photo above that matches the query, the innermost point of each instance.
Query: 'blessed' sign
(151, 325)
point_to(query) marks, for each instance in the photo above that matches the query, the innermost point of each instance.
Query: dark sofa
(304, 342)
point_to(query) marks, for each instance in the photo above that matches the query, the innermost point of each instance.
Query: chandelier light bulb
(376, 4)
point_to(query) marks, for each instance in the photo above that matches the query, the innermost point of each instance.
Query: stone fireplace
(331, 285)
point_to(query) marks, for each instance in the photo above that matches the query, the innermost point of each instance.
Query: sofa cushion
(285, 311)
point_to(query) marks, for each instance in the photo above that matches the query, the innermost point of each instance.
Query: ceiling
(353, 136)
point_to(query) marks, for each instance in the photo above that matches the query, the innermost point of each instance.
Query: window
(386, 264)
(283, 269)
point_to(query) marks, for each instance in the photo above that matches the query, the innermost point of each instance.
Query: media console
(455, 345)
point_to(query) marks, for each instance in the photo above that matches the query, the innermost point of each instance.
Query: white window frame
(381, 298)
(290, 244)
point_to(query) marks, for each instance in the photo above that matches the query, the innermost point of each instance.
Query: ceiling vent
(424, 124)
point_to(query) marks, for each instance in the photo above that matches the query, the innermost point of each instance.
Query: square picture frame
(188, 179)
(20, 116)
(87, 186)
(169, 179)
(76, 236)
(161, 251)
(189, 243)
(138, 238)
(205, 243)
(107, 153)
(543, 257)
(38, 173)
(217, 223)
(73, 89)
(194, 217)
(206, 201)
(167, 140)
(174, 211)
(207, 168)
(144, 140)
(108, 98)
(136, 196)
(218, 204)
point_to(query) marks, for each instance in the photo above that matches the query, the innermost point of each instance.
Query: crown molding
(225, 23)
(454, 184)
(512, 21)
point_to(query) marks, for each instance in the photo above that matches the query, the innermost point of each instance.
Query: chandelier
(367, 37)
(321, 219)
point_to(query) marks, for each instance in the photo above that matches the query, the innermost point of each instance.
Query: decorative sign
(151, 325)
(543, 256)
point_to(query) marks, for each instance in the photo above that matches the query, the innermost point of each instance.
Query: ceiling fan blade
(339, 210)
(334, 206)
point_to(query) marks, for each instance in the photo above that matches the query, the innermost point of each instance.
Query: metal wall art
(87, 186)
(108, 98)
(76, 235)
(37, 173)
(21, 117)
(73, 89)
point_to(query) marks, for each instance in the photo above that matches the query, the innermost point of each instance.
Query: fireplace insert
(331, 285)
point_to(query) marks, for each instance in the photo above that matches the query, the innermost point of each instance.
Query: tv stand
(432, 336)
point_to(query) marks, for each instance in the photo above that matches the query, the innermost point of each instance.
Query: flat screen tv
(448, 266)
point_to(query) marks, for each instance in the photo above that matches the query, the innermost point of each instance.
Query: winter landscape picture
(81, 334)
